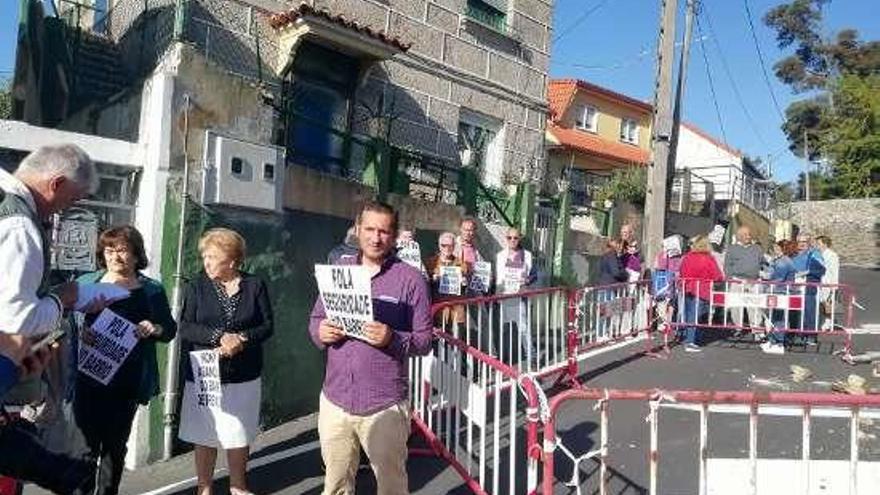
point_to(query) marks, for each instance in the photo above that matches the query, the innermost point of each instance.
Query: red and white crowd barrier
(852, 470)
(477, 401)
(479, 414)
(527, 331)
(763, 307)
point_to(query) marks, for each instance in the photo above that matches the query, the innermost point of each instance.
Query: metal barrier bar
(526, 330)
(755, 404)
(452, 392)
(774, 308)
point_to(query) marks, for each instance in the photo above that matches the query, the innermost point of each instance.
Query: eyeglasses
(447, 245)
(512, 238)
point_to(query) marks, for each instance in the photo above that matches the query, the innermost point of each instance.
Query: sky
(613, 43)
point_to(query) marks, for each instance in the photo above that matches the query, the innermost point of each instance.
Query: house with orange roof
(592, 131)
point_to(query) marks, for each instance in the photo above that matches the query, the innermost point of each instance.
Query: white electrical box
(241, 173)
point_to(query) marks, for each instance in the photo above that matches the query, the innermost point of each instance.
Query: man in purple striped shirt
(364, 399)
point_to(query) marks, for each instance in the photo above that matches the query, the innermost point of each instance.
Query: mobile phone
(48, 339)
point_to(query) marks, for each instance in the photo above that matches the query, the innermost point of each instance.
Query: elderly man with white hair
(47, 181)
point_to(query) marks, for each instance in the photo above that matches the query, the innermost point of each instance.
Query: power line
(761, 60)
(577, 22)
(730, 78)
(711, 83)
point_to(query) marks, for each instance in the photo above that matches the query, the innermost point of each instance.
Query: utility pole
(661, 130)
(806, 167)
(677, 106)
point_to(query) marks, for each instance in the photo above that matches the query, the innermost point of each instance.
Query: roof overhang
(319, 26)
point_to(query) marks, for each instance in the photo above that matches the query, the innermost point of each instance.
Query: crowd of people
(362, 405)
(799, 267)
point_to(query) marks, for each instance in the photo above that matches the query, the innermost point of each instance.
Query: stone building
(278, 117)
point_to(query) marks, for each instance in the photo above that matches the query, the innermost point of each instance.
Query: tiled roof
(559, 96)
(282, 19)
(596, 145)
(703, 134)
(562, 91)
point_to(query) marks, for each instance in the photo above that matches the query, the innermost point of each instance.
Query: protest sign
(481, 278)
(206, 377)
(512, 279)
(346, 292)
(114, 339)
(450, 280)
(410, 253)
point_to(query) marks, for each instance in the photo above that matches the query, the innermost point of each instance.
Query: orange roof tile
(282, 19)
(596, 145)
(559, 96)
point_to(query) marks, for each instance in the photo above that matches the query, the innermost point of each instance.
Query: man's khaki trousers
(383, 435)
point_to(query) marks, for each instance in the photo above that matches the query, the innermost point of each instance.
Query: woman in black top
(228, 311)
(104, 413)
(611, 269)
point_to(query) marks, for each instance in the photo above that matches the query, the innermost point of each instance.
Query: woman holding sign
(105, 400)
(226, 317)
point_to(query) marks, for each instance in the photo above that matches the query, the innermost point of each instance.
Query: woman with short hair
(782, 274)
(698, 271)
(104, 413)
(227, 310)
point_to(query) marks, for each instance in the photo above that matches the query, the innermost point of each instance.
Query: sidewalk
(287, 460)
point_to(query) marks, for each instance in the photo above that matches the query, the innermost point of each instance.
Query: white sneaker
(771, 348)
(827, 326)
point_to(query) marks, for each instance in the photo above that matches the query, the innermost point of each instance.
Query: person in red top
(698, 270)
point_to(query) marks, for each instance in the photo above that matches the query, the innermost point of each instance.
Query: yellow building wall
(611, 114)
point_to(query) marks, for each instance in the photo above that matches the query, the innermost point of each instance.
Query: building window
(588, 119)
(492, 13)
(318, 100)
(629, 131)
(480, 139)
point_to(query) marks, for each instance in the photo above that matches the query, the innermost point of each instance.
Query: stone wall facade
(454, 65)
(852, 224)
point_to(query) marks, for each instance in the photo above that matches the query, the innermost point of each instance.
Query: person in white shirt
(513, 272)
(831, 277)
(47, 181)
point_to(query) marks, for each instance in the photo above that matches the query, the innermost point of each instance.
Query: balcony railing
(692, 194)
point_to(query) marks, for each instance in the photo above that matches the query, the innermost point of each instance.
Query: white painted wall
(21, 136)
(708, 160)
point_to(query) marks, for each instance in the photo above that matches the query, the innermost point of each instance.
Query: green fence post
(527, 206)
(561, 264)
(181, 10)
(467, 190)
(377, 170)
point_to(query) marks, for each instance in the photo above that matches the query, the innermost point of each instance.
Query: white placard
(512, 279)
(86, 293)
(410, 253)
(450, 280)
(481, 278)
(114, 339)
(346, 291)
(206, 377)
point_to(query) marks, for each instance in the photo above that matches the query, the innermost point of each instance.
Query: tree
(852, 142)
(839, 118)
(627, 184)
(5, 99)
